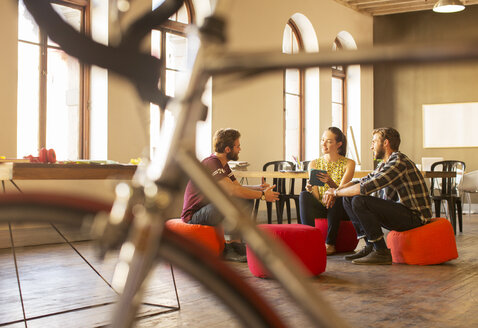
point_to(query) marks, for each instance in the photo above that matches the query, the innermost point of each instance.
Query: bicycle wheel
(192, 258)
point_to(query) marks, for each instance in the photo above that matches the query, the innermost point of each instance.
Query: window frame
(84, 71)
(341, 73)
(301, 156)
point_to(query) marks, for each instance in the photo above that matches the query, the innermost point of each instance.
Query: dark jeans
(311, 209)
(209, 215)
(369, 214)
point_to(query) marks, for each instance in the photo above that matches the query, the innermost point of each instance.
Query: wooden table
(305, 174)
(83, 171)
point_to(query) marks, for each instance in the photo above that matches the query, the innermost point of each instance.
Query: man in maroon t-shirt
(197, 210)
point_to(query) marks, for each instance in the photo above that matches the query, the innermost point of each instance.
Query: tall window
(169, 41)
(293, 96)
(338, 93)
(52, 87)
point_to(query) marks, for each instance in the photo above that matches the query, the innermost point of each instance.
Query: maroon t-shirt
(193, 200)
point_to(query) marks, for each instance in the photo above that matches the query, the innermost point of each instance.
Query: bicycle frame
(159, 185)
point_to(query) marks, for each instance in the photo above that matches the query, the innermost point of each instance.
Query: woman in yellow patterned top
(340, 170)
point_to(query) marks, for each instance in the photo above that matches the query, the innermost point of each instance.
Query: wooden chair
(447, 189)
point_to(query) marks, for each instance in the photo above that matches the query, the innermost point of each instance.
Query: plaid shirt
(399, 180)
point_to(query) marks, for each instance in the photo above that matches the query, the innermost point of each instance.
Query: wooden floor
(54, 278)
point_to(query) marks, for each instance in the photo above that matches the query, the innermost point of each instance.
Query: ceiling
(386, 7)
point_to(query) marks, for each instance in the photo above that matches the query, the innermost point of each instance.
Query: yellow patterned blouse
(335, 170)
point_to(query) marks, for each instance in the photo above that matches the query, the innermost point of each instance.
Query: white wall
(256, 107)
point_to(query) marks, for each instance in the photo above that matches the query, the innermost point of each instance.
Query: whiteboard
(450, 125)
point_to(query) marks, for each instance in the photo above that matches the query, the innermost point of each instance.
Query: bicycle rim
(193, 259)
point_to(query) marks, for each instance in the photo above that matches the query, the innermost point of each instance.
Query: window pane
(28, 99)
(337, 115)
(63, 103)
(176, 51)
(156, 43)
(337, 90)
(27, 28)
(182, 15)
(292, 81)
(70, 15)
(286, 41)
(292, 126)
(170, 83)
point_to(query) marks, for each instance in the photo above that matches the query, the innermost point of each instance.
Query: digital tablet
(313, 179)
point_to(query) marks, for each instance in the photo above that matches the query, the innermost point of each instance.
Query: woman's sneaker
(367, 249)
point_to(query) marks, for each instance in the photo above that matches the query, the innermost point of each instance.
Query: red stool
(432, 243)
(305, 241)
(208, 236)
(346, 237)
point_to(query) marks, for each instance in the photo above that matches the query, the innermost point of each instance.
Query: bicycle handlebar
(142, 69)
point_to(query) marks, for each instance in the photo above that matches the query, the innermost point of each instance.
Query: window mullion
(43, 90)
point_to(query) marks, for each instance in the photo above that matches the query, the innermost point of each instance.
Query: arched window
(169, 42)
(293, 96)
(339, 109)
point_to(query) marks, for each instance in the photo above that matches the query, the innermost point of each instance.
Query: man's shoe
(229, 254)
(329, 249)
(367, 249)
(239, 248)
(376, 257)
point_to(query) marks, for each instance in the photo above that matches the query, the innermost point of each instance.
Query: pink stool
(305, 241)
(346, 237)
(432, 243)
(207, 236)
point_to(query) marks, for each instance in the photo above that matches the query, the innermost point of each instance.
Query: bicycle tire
(196, 261)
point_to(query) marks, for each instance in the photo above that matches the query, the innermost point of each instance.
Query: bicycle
(138, 214)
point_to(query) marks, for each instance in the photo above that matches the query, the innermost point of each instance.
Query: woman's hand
(308, 186)
(325, 178)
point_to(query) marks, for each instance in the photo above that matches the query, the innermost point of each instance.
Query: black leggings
(311, 209)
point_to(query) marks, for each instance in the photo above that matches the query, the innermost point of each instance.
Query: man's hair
(339, 137)
(224, 138)
(391, 135)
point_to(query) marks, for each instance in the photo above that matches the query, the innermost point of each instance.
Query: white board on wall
(450, 125)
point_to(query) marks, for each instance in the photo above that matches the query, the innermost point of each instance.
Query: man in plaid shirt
(401, 200)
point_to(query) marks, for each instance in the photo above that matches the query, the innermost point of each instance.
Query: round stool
(210, 237)
(432, 243)
(304, 241)
(346, 237)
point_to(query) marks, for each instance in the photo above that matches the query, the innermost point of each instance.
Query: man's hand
(271, 195)
(264, 186)
(329, 198)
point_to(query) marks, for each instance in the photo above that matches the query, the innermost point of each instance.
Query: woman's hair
(225, 138)
(339, 137)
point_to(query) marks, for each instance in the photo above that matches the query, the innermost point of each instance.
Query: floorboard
(54, 278)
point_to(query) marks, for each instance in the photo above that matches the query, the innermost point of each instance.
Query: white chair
(469, 186)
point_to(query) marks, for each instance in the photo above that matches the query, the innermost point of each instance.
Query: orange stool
(432, 243)
(207, 236)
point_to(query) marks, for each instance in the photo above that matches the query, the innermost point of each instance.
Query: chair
(286, 192)
(305, 167)
(447, 189)
(469, 186)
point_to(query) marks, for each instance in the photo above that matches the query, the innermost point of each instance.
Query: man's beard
(232, 156)
(380, 153)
